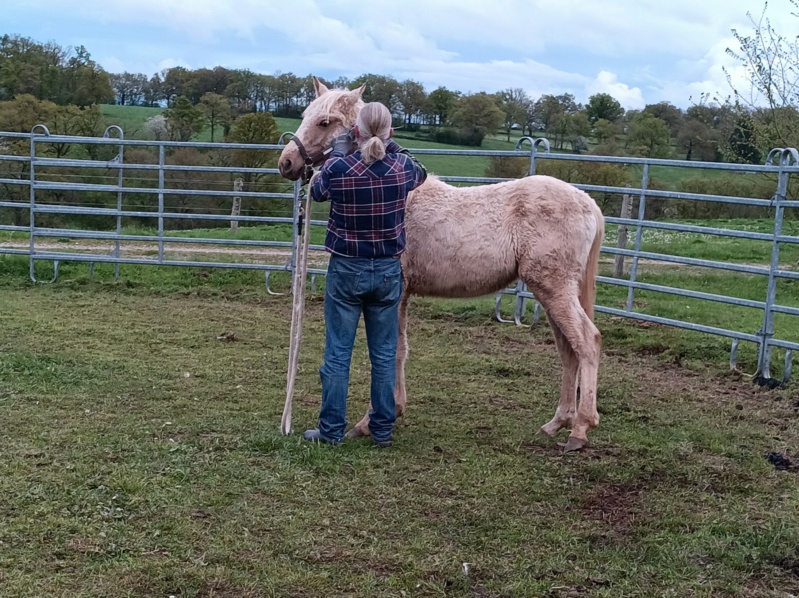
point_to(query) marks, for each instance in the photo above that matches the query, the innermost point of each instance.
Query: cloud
(605, 82)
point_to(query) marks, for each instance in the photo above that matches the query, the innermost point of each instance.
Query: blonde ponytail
(374, 129)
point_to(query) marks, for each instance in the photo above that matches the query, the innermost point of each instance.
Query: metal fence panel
(118, 181)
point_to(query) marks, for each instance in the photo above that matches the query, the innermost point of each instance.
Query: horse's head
(332, 113)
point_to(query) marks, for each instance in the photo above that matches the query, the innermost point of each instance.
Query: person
(365, 237)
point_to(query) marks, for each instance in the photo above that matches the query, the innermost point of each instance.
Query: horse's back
(466, 242)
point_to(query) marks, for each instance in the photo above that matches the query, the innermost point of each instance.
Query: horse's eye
(324, 124)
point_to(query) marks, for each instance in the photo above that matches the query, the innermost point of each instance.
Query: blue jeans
(372, 287)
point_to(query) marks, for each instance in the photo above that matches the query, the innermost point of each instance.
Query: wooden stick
(297, 312)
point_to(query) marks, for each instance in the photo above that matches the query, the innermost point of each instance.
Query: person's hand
(343, 144)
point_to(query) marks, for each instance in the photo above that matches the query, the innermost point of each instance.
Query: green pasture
(141, 455)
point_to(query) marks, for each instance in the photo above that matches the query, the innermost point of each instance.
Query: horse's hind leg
(567, 406)
(561, 302)
(586, 340)
(400, 397)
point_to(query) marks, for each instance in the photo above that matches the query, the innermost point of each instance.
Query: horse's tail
(588, 286)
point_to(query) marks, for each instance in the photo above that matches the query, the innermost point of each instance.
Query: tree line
(214, 98)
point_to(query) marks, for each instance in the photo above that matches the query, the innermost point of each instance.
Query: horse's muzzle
(290, 166)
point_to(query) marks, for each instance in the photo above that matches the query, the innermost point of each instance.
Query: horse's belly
(458, 276)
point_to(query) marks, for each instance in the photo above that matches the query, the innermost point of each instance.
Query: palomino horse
(469, 242)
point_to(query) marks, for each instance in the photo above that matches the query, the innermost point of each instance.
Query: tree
(204, 81)
(548, 110)
(669, 113)
(129, 88)
(242, 91)
(266, 89)
(183, 120)
(153, 91)
(24, 112)
(603, 106)
(379, 89)
(569, 104)
(649, 136)
(28, 67)
(258, 127)
(216, 109)
(84, 82)
(48, 72)
(157, 126)
(578, 128)
(440, 103)
(175, 82)
(699, 134)
(478, 112)
(605, 130)
(771, 63)
(742, 142)
(288, 89)
(412, 98)
(513, 103)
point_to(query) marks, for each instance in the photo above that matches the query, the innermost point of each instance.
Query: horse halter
(308, 159)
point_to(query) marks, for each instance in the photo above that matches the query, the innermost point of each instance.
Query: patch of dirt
(616, 505)
(172, 251)
(308, 400)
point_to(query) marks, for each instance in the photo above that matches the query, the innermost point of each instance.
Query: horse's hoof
(549, 433)
(357, 432)
(575, 444)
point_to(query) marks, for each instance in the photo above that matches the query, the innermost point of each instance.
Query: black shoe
(316, 436)
(383, 443)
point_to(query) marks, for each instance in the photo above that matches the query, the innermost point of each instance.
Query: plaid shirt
(367, 212)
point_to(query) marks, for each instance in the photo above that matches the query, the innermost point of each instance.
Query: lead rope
(298, 309)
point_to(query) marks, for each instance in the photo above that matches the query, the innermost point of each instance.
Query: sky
(639, 51)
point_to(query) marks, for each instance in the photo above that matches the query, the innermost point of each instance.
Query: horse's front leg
(400, 398)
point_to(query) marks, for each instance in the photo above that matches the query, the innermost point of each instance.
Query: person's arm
(340, 146)
(320, 187)
(420, 172)
(392, 147)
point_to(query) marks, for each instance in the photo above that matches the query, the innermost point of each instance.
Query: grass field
(141, 457)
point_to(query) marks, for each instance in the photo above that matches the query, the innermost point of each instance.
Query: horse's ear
(359, 92)
(319, 87)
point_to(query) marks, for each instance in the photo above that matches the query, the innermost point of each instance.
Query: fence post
(238, 185)
(119, 159)
(786, 157)
(639, 233)
(621, 242)
(161, 164)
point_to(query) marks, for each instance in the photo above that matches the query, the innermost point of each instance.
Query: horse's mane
(328, 105)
